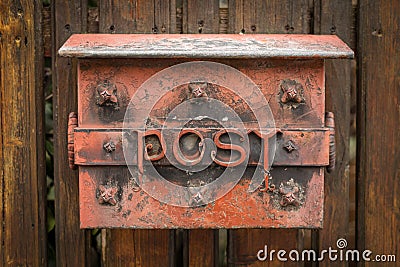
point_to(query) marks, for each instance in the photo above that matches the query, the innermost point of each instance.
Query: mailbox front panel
(135, 124)
(294, 197)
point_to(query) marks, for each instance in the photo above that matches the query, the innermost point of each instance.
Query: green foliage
(92, 3)
(49, 146)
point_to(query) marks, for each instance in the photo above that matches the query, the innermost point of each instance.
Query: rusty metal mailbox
(201, 131)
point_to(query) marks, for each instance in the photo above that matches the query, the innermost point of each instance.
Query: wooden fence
(370, 27)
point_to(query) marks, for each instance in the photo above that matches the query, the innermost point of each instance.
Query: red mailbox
(201, 131)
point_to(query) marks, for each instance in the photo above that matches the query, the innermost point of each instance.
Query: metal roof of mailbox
(205, 46)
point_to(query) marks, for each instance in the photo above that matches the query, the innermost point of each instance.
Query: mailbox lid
(205, 46)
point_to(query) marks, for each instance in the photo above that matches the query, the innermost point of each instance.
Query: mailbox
(201, 131)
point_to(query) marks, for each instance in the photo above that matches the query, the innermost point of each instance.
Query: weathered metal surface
(237, 209)
(205, 46)
(310, 147)
(269, 75)
(288, 195)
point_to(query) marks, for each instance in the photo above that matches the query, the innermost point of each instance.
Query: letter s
(229, 146)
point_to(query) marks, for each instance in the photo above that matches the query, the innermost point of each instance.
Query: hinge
(330, 123)
(72, 124)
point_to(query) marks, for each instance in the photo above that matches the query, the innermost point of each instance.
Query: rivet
(109, 147)
(291, 92)
(197, 198)
(108, 194)
(288, 197)
(107, 95)
(198, 89)
(290, 146)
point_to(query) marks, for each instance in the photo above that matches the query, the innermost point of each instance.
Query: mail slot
(201, 131)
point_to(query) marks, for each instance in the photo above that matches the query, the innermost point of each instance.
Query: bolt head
(109, 147)
(108, 194)
(290, 146)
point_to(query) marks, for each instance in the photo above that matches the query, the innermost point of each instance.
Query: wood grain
(378, 119)
(22, 168)
(268, 16)
(335, 17)
(201, 16)
(138, 248)
(73, 246)
(201, 247)
(133, 16)
(244, 244)
(164, 16)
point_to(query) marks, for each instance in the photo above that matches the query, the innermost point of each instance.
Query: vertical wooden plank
(378, 119)
(93, 20)
(202, 247)
(269, 16)
(201, 16)
(244, 244)
(133, 16)
(46, 30)
(266, 16)
(22, 161)
(335, 17)
(223, 16)
(235, 16)
(72, 244)
(164, 16)
(138, 247)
